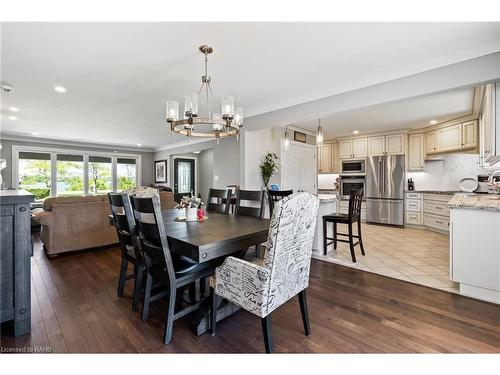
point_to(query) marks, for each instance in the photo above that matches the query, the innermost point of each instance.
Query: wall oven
(353, 167)
(348, 183)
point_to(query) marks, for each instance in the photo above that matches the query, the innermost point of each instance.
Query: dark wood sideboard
(15, 259)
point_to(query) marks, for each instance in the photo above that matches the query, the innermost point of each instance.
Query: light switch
(216, 178)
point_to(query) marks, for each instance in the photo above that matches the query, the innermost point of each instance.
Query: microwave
(353, 167)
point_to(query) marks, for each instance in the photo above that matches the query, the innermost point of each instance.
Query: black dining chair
(218, 200)
(250, 203)
(353, 216)
(171, 271)
(129, 247)
(276, 195)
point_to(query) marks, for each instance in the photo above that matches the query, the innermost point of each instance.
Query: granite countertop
(327, 197)
(471, 201)
(445, 192)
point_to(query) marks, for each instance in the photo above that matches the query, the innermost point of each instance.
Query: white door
(395, 144)
(360, 148)
(345, 149)
(449, 138)
(376, 146)
(298, 167)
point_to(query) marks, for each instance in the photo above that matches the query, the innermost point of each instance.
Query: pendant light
(286, 142)
(319, 135)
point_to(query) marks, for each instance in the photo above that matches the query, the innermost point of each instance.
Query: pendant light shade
(319, 135)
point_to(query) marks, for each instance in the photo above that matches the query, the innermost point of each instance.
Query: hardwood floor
(75, 309)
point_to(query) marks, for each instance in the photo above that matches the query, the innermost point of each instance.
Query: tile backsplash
(446, 173)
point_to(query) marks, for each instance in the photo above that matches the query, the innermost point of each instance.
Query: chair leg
(139, 275)
(203, 287)
(192, 292)
(360, 238)
(267, 331)
(213, 311)
(122, 277)
(257, 251)
(303, 311)
(351, 243)
(334, 235)
(169, 324)
(325, 235)
(147, 297)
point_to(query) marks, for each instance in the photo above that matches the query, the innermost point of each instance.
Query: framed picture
(299, 137)
(161, 171)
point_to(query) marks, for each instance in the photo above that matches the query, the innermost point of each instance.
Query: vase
(181, 213)
(191, 214)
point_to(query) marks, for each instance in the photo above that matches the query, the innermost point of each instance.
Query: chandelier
(214, 125)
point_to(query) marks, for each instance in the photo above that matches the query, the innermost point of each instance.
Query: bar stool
(353, 216)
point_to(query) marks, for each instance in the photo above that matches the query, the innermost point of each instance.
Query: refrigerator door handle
(380, 177)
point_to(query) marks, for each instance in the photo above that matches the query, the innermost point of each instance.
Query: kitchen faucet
(492, 175)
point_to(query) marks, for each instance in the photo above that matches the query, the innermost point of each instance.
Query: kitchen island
(475, 245)
(327, 205)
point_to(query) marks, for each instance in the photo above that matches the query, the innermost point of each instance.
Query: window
(70, 175)
(34, 174)
(126, 172)
(100, 181)
(64, 172)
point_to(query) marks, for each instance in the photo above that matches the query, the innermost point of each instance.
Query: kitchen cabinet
(413, 206)
(335, 158)
(376, 146)
(436, 215)
(430, 142)
(489, 126)
(449, 138)
(345, 149)
(469, 134)
(353, 148)
(416, 152)
(386, 145)
(325, 158)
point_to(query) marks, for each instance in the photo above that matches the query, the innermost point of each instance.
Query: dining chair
(234, 192)
(171, 271)
(261, 287)
(130, 251)
(250, 203)
(218, 200)
(352, 216)
(276, 195)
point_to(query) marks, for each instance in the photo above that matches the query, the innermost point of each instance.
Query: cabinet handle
(439, 222)
(438, 208)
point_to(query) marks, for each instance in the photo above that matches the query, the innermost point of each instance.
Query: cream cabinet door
(376, 146)
(431, 142)
(449, 138)
(345, 148)
(416, 152)
(324, 158)
(395, 144)
(360, 148)
(469, 134)
(335, 158)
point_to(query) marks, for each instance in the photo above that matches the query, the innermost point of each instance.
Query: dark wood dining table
(212, 240)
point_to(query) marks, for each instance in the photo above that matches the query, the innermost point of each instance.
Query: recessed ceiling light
(14, 109)
(34, 133)
(196, 152)
(12, 118)
(59, 89)
(114, 151)
(139, 144)
(355, 132)
(433, 122)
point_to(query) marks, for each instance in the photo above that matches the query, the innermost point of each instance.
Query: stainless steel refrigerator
(384, 191)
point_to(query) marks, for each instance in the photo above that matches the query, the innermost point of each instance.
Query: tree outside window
(99, 175)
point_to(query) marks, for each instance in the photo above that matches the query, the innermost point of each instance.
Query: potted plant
(269, 166)
(188, 208)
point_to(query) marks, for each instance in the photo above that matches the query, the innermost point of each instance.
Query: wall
(226, 161)
(205, 172)
(445, 174)
(6, 153)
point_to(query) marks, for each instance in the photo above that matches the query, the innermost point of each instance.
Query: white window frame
(16, 149)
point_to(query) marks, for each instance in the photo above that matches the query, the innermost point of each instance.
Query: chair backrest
(355, 200)
(276, 195)
(152, 234)
(234, 189)
(255, 196)
(219, 200)
(120, 220)
(289, 250)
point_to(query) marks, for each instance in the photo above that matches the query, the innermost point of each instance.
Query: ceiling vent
(8, 88)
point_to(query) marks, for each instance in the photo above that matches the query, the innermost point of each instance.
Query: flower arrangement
(269, 166)
(494, 187)
(189, 202)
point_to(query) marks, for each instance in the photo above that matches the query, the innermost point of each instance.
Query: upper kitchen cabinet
(335, 158)
(450, 138)
(416, 152)
(489, 125)
(393, 144)
(325, 158)
(353, 148)
(345, 149)
(431, 142)
(469, 134)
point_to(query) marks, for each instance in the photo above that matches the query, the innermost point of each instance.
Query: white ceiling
(411, 113)
(118, 75)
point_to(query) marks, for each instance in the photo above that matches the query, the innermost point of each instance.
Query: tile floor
(416, 255)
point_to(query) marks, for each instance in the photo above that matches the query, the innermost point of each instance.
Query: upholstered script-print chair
(261, 287)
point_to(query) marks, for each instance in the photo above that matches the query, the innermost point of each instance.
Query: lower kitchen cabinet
(428, 210)
(413, 208)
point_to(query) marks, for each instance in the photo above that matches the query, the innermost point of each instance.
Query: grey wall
(205, 172)
(6, 153)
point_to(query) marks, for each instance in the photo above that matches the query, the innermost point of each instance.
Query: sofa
(78, 223)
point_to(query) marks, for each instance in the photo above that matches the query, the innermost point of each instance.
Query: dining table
(212, 240)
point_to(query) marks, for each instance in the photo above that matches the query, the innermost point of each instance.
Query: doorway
(184, 177)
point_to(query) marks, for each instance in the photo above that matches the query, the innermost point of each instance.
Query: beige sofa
(77, 223)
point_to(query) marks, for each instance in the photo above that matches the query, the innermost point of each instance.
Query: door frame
(195, 159)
